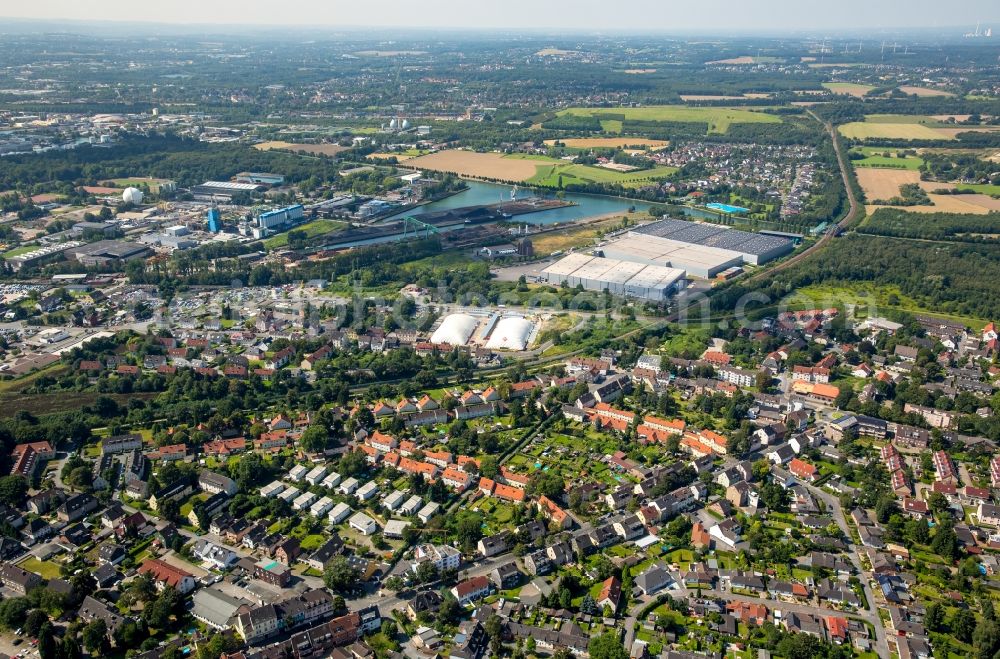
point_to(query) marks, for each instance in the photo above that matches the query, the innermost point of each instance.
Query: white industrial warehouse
(701, 250)
(619, 277)
(696, 260)
(510, 333)
(455, 329)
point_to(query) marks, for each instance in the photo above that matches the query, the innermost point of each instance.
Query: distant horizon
(704, 17)
(153, 28)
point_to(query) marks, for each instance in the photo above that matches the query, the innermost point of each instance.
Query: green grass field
(848, 88)
(550, 175)
(870, 298)
(983, 188)
(312, 229)
(874, 157)
(153, 184)
(17, 251)
(45, 569)
(718, 119)
(905, 119)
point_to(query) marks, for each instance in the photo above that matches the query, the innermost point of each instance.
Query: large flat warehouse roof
(568, 264)
(715, 236)
(662, 251)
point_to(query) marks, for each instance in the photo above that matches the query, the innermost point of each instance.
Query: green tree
(934, 617)
(95, 636)
(340, 575)
(34, 621)
(13, 489)
(607, 646)
(315, 439)
(47, 646)
(963, 624)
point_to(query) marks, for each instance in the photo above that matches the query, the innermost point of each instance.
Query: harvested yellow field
(970, 204)
(315, 149)
(848, 88)
(884, 183)
(746, 59)
(639, 72)
(400, 157)
(479, 165)
(555, 52)
(862, 130)
(951, 133)
(709, 97)
(923, 91)
(608, 142)
(946, 117)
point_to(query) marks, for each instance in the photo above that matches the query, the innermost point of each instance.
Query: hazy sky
(666, 15)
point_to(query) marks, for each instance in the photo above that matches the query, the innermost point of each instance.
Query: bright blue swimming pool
(726, 208)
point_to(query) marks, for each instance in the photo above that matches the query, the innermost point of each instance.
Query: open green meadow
(848, 88)
(551, 175)
(312, 229)
(17, 251)
(876, 157)
(718, 119)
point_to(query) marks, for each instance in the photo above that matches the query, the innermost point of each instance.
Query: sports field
(608, 142)
(539, 170)
(848, 88)
(718, 119)
(316, 149)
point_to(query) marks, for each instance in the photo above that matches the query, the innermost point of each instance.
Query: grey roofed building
(653, 579)
(326, 552)
(215, 608)
(94, 609)
(506, 575)
(106, 575)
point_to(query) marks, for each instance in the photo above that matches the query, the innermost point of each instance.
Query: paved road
(833, 504)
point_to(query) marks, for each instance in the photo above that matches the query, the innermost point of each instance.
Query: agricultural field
(923, 91)
(608, 142)
(848, 88)
(907, 127)
(478, 165)
(885, 183)
(694, 98)
(538, 170)
(864, 130)
(718, 119)
(314, 149)
(881, 184)
(747, 59)
(400, 156)
(561, 175)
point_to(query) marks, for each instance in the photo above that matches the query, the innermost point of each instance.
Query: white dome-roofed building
(132, 196)
(455, 329)
(510, 334)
